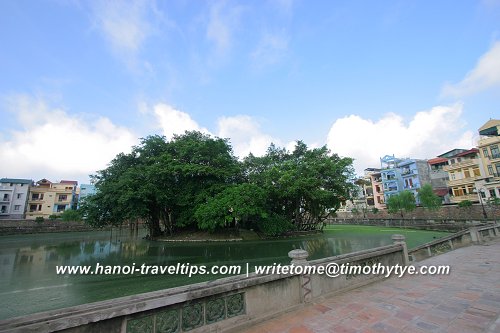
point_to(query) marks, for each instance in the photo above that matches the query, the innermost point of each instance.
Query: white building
(13, 197)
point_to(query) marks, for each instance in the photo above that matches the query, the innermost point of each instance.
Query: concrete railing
(472, 235)
(227, 304)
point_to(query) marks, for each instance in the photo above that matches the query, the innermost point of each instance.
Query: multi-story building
(391, 176)
(368, 187)
(85, 191)
(464, 168)
(13, 197)
(489, 152)
(415, 174)
(403, 175)
(439, 177)
(47, 198)
(378, 190)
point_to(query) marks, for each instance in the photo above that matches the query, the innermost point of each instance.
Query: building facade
(14, 197)
(439, 178)
(488, 186)
(47, 198)
(463, 169)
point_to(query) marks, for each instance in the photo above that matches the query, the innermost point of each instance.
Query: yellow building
(489, 150)
(463, 169)
(47, 198)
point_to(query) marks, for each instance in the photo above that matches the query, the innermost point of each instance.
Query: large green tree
(303, 186)
(162, 181)
(428, 198)
(402, 202)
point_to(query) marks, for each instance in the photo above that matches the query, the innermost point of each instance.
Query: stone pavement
(466, 300)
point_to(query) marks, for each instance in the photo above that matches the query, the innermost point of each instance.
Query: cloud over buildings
(427, 134)
(53, 144)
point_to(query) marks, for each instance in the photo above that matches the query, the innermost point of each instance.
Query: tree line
(195, 181)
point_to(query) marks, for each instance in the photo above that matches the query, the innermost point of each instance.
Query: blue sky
(81, 81)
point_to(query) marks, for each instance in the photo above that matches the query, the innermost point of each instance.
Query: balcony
(408, 172)
(458, 182)
(470, 197)
(459, 165)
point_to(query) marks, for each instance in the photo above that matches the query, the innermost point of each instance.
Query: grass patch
(414, 237)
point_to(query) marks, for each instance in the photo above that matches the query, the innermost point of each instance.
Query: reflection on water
(28, 263)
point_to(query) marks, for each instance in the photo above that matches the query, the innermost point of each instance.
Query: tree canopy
(194, 180)
(402, 202)
(428, 198)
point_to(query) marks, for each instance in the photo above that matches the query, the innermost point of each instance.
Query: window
(452, 175)
(470, 189)
(490, 169)
(492, 193)
(459, 159)
(476, 171)
(19, 195)
(495, 153)
(452, 161)
(4, 209)
(32, 208)
(485, 152)
(60, 208)
(497, 166)
(17, 208)
(467, 173)
(39, 207)
(5, 197)
(63, 197)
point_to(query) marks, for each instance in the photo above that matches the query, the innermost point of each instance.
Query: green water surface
(29, 283)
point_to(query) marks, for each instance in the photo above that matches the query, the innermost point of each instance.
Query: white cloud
(222, 22)
(427, 135)
(485, 75)
(173, 121)
(55, 145)
(245, 135)
(124, 23)
(271, 50)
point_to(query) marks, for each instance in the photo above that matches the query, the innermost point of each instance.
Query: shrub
(71, 215)
(274, 225)
(465, 204)
(39, 219)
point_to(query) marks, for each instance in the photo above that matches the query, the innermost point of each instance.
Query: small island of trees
(195, 181)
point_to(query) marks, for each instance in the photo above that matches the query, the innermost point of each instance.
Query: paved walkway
(467, 300)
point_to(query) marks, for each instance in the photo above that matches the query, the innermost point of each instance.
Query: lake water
(29, 283)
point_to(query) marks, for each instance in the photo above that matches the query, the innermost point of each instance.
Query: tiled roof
(437, 160)
(69, 182)
(468, 152)
(441, 191)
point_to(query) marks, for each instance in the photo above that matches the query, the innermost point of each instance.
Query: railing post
(299, 258)
(475, 235)
(400, 239)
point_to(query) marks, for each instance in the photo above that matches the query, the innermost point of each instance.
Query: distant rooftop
(490, 128)
(15, 181)
(437, 160)
(69, 182)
